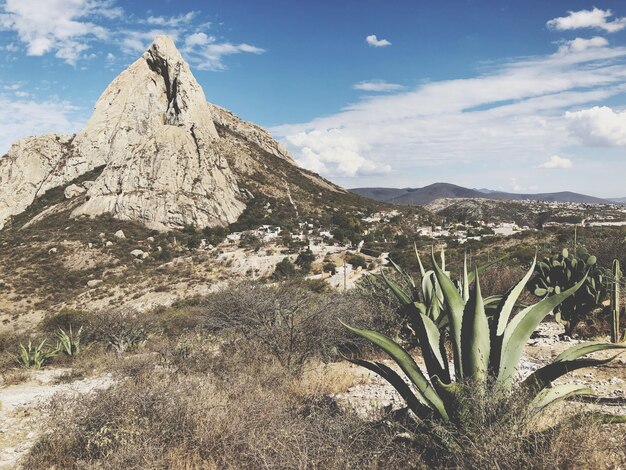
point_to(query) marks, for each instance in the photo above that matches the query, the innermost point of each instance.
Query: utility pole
(345, 275)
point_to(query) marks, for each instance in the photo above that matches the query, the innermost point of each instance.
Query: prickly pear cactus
(560, 272)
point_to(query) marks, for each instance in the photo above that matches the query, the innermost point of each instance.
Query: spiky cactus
(560, 272)
(616, 334)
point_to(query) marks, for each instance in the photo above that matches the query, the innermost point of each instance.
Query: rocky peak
(164, 162)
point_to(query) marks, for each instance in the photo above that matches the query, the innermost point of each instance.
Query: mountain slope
(168, 159)
(427, 194)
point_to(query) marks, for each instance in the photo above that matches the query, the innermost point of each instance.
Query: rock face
(154, 124)
(154, 131)
(160, 155)
(35, 165)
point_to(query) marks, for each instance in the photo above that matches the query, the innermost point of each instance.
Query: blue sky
(522, 96)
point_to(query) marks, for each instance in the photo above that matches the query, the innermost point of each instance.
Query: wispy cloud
(206, 52)
(171, 21)
(373, 41)
(377, 86)
(21, 117)
(596, 19)
(506, 115)
(556, 162)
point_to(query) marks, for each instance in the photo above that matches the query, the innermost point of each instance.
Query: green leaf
(454, 310)
(408, 366)
(543, 377)
(510, 299)
(402, 272)
(583, 349)
(549, 396)
(429, 339)
(465, 283)
(519, 329)
(420, 408)
(419, 261)
(402, 296)
(475, 336)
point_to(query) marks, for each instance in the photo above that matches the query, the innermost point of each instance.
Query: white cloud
(599, 126)
(596, 18)
(497, 119)
(377, 86)
(328, 150)
(582, 44)
(556, 162)
(206, 53)
(59, 26)
(373, 41)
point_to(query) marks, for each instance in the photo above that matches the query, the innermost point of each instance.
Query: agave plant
(485, 351)
(68, 342)
(426, 295)
(34, 356)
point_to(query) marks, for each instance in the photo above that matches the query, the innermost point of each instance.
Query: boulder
(73, 190)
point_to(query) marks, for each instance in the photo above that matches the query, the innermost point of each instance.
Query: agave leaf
(408, 366)
(449, 393)
(510, 299)
(421, 308)
(549, 396)
(419, 261)
(465, 283)
(544, 376)
(402, 273)
(587, 348)
(518, 331)
(430, 339)
(414, 402)
(455, 306)
(428, 286)
(402, 296)
(475, 336)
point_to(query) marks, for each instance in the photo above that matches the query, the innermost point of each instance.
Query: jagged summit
(167, 157)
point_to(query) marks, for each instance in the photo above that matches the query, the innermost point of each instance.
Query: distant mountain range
(427, 194)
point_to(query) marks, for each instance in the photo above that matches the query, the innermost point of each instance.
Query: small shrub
(121, 330)
(285, 269)
(357, 261)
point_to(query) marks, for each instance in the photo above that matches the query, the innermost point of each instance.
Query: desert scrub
(164, 420)
(289, 321)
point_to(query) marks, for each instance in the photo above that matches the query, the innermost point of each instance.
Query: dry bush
(165, 420)
(498, 279)
(288, 321)
(122, 330)
(255, 415)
